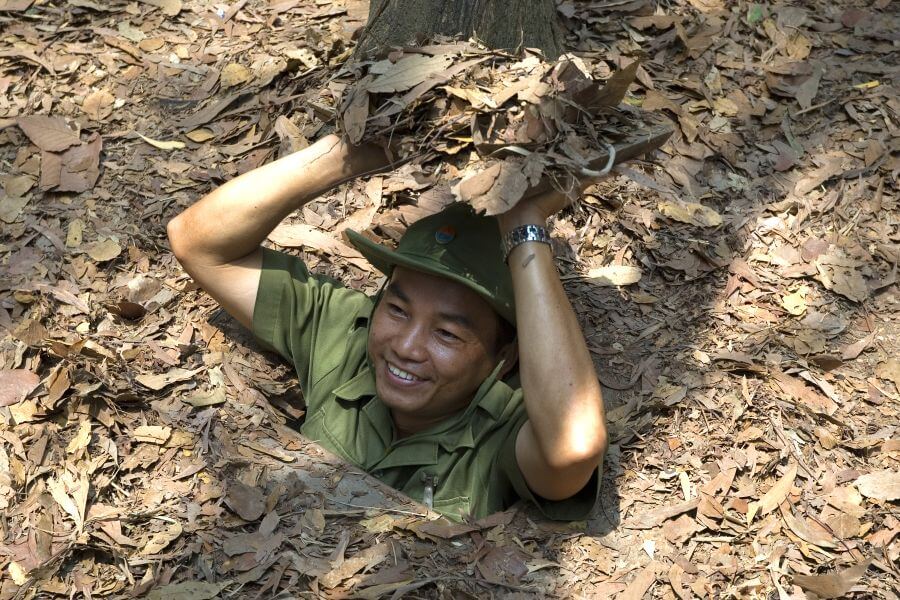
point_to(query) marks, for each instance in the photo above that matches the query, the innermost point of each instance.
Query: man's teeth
(401, 373)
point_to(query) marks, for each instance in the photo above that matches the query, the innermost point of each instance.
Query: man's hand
(564, 440)
(217, 240)
(535, 209)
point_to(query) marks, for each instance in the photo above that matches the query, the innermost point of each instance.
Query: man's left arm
(564, 440)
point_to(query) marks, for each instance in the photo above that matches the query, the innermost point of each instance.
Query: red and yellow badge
(445, 234)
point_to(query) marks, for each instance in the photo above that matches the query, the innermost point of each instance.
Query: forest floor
(752, 374)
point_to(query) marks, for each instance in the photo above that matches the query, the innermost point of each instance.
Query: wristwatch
(522, 234)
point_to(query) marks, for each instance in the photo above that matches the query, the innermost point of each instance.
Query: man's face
(432, 342)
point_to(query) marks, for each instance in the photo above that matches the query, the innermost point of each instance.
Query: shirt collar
(492, 400)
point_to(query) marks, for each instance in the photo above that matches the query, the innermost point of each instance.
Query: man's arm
(217, 240)
(564, 440)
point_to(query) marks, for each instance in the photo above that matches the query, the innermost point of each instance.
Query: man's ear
(509, 354)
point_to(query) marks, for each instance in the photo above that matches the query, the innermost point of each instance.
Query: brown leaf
(98, 105)
(15, 385)
(656, 517)
(354, 118)
(169, 8)
(833, 585)
(881, 485)
(855, 349)
(807, 90)
(188, 590)
(496, 189)
(300, 235)
(889, 370)
(158, 542)
(158, 381)
(50, 134)
(796, 391)
(813, 536)
(444, 529)
(641, 584)
(234, 74)
(152, 434)
(11, 208)
(690, 212)
(775, 496)
(103, 250)
(365, 559)
(613, 91)
(406, 73)
(79, 167)
(503, 564)
(614, 275)
(248, 502)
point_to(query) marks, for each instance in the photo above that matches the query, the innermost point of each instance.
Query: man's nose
(409, 343)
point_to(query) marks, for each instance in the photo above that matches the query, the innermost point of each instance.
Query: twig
(379, 508)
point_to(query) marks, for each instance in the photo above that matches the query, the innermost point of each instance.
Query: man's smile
(404, 376)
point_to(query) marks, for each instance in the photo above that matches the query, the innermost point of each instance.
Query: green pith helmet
(455, 243)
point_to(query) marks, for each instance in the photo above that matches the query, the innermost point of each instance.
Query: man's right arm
(217, 240)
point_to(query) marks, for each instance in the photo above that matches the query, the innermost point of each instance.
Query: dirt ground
(751, 370)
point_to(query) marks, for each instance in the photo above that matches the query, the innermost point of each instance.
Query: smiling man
(466, 383)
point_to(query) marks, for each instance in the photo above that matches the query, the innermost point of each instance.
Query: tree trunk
(500, 24)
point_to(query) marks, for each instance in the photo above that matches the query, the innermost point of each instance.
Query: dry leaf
(11, 208)
(74, 233)
(15, 385)
(406, 73)
(210, 398)
(890, 370)
(158, 381)
(169, 8)
(18, 574)
(299, 235)
(355, 116)
(188, 590)
(833, 585)
(200, 135)
(795, 303)
(775, 496)
(657, 516)
(170, 145)
(882, 485)
(691, 213)
(82, 438)
(50, 134)
(641, 584)
(152, 434)
(235, 74)
(98, 105)
(103, 250)
(248, 502)
(612, 275)
(158, 542)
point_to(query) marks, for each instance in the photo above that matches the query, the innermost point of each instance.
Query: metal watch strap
(522, 234)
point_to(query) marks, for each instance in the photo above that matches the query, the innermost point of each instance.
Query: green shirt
(321, 327)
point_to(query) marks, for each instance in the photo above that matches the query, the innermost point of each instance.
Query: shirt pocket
(456, 507)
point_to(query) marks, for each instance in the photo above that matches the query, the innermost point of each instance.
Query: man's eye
(395, 310)
(447, 335)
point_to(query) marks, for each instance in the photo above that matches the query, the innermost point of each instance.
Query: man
(418, 386)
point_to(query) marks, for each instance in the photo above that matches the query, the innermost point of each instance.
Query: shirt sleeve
(574, 508)
(308, 319)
